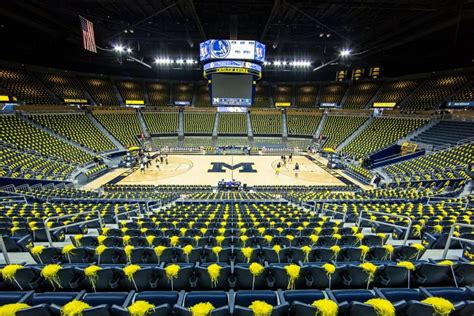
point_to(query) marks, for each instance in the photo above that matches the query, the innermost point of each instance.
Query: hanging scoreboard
(232, 68)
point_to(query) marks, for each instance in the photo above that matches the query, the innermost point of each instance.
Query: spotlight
(189, 61)
(345, 52)
(132, 31)
(277, 63)
(129, 50)
(328, 35)
(179, 61)
(118, 48)
(321, 34)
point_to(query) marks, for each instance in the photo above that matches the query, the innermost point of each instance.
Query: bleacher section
(131, 90)
(23, 87)
(283, 93)
(101, 90)
(359, 94)
(32, 166)
(465, 95)
(447, 164)
(158, 93)
(199, 122)
(396, 91)
(446, 132)
(266, 123)
(202, 97)
(306, 96)
(262, 96)
(76, 127)
(123, 125)
(161, 122)
(339, 128)
(65, 87)
(382, 131)
(332, 93)
(183, 92)
(435, 90)
(302, 123)
(232, 123)
(24, 136)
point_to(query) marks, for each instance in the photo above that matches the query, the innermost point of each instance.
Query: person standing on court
(277, 169)
(296, 169)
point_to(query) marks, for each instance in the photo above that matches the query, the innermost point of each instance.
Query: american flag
(88, 36)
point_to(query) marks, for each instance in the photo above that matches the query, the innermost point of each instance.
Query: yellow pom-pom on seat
(11, 309)
(141, 308)
(442, 306)
(381, 306)
(261, 308)
(325, 307)
(201, 309)
(74, 308)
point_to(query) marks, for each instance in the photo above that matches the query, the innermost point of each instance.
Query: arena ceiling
(404, 36)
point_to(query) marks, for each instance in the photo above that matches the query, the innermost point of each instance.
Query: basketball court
(210, 169)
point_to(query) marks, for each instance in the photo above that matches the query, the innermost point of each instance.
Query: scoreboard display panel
(231, 90)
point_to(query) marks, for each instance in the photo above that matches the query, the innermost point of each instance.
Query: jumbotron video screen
(231, 90)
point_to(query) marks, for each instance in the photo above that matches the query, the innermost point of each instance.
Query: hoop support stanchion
(408, 229)
(451, 237)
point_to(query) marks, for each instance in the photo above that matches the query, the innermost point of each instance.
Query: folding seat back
(47, 255)
(241, 258)
(207, 280)
(58, 298)
(113, 255)
(464, 274)
(243, 299)
(7, 297)
(38, 310)
(245, 280)
(25, 279)
(79, 255)
(350, 254)
(323, 254)
(16, 244)
(302, 296)
(356, 277)
(105, 279)
(194, 256)
(351, 295)
(373, 240)
(326, 241)
(223, 254)
(280, 279)
(166, 255)
(107, 298)
(66, 279)
(319, 278)
(392, 276)
(218, 299)
(402, 294)
(452, 294)
(181, 282)
(163, 302)
(430, 274)
(144, 279)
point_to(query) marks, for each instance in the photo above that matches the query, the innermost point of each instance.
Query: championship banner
(455, 104)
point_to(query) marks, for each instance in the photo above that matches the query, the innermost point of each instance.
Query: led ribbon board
(232, 67)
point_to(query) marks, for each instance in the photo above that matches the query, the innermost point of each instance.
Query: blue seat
(218, 299)
(163, 302)
(245, 280)
(107, 278)
(14, 297)
(182, 282)
(300, 301)
(204, 282)
(243, 299)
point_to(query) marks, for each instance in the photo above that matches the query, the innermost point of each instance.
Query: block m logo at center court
(243, 167)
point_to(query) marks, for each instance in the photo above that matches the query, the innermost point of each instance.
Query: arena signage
(384, 104)
(75, 100)
(243, 167)
(283, 104)
(454, 104)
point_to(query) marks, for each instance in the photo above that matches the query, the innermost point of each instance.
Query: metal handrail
(137, 210)
(3, 248)
(324, 210)
(405, 239)
(451, 237)
(48, 233)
